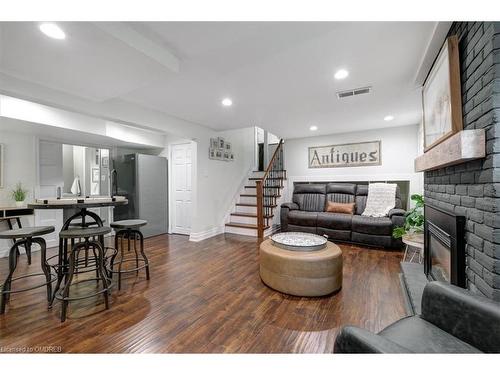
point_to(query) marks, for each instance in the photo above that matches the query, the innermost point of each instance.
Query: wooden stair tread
(249, 215)
(269, 178)
(253, 187)
(255, 195)
(247, 226)
(253, 205)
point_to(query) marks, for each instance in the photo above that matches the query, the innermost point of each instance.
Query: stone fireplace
(472, 189)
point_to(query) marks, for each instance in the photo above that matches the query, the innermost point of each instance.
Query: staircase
(258, 201)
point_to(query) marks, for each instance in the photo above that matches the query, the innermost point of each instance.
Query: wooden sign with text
(347, 155)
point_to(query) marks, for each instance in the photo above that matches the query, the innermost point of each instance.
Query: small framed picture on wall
(211, 154)
(214, 143)
(442, 96)
(221, 143)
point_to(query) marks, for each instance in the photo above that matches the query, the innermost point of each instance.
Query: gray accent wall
(472, 189)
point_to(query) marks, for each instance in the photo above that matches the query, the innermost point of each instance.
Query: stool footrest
(61, 298)
(130, 269)
(52, 279)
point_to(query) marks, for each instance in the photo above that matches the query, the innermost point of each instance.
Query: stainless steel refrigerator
(143, 180)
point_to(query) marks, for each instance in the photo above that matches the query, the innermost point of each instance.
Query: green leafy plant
(19, 194)
(414, 218)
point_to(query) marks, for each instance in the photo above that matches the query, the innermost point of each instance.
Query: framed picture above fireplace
(441, 96)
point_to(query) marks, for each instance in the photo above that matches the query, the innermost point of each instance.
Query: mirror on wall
(85, 171)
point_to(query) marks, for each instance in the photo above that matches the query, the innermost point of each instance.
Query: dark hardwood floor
(206, 297)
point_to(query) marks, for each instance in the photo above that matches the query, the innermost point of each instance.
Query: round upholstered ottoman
(301, 273)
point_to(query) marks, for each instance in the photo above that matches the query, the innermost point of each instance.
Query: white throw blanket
(381, 199)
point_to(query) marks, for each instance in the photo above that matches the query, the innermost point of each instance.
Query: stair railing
(268, 189)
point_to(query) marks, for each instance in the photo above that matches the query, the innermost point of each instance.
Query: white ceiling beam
(134, 39)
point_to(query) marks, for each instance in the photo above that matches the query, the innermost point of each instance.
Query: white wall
(218, 182)
(399, 148)
(19, 166)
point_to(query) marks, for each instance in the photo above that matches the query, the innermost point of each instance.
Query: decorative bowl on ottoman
(299, 241)
(309, 266)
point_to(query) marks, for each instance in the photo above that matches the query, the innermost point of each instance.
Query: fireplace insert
(444, 241)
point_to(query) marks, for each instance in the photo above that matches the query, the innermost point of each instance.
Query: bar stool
(84, 224)
(17, 220)
(83, 218)
(128, 230)
(87, 240)
(26, 237)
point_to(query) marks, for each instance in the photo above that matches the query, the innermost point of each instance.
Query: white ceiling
(278, 74)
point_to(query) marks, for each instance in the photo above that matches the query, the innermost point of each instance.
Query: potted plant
(19, 195)
(414, 219)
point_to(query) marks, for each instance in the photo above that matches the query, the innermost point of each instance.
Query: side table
(415, 240)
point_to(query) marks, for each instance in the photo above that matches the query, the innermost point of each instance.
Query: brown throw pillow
(340, 208)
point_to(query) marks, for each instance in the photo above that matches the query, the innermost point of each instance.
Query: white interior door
(50, 178)
(182, 188)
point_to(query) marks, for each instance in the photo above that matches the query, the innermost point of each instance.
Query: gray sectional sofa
(307, 214)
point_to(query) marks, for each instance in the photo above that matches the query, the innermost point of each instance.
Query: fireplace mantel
(461, 147)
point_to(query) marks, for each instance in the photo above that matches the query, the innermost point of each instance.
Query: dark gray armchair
(453, 320)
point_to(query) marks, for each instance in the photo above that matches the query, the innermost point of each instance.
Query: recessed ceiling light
(226, 102)
(388, 118)
(313, 128)
(341, 74)
(52, 31)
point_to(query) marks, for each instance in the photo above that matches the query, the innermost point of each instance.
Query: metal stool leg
(27, 247)
(136, 238)
(44, 265)
(113, 257)
(60, 272)
(100, 267)
(122, 256)
(65, 293)
(121, 234)
(94, 253)
(141, 237)
(8, 281)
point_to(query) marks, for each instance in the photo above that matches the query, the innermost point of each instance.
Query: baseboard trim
(200, 236)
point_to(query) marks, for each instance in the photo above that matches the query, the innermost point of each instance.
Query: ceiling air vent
(353, 92)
